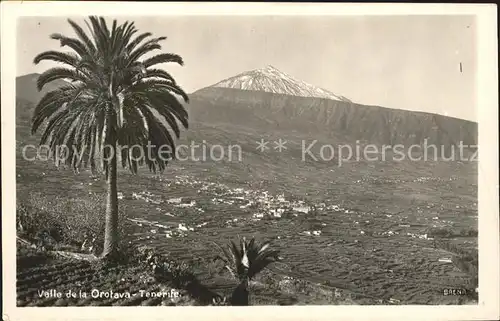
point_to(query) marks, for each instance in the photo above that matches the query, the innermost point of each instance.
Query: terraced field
(351, 234)
(81, 277)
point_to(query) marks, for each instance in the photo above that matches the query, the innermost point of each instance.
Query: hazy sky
(407, 62)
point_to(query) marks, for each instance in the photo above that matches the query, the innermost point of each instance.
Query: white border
(487, 100)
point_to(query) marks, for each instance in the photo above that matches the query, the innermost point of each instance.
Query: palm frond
(89, 45)
(73, 43)
(144, 48)
(248, 258)
(160, 74)
(159, 85)
(58, 56)
(134, 43)
(58, 73)
(163, 58)
(51, 102)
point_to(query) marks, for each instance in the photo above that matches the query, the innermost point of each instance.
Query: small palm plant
(244, 262)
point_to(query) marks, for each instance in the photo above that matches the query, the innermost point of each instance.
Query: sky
(405, 62)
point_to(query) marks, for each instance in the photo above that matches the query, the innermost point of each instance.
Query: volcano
(270, 79)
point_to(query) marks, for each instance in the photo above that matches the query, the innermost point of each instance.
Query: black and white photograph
(180, 160)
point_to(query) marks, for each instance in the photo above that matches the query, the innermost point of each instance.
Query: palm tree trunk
(111, 230)
(240, 294)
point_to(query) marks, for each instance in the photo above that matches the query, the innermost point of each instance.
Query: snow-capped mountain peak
(270, 79)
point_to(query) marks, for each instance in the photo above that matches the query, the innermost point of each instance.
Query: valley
(366, 232)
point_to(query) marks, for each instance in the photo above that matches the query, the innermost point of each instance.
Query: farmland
(360, 233)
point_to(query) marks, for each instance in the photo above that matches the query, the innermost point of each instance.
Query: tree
(114, 103)
(244, 262)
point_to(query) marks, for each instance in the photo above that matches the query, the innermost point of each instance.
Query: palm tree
(244, 262)
(114, 98)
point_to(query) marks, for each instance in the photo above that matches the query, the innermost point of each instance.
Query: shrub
(179, 275)
(77, 222)
(164, 269)
(447, 232)
(37, 226)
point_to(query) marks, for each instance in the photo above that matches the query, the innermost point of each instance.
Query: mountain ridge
(34, 95)
(265, 111)
(351, 121)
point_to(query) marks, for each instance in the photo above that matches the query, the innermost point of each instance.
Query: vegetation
(54, 223)
(177, 274)
(165, 269)
(467, 260)
(443, 232)
(113, 98)
(244, 262)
